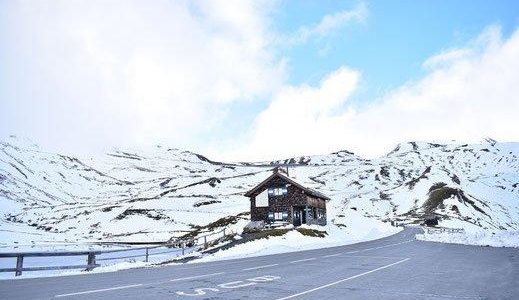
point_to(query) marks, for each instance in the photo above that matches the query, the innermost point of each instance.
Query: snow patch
(293, 240)
(479, 238)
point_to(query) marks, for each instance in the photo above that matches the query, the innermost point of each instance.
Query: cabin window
(311, 213)
(278, 191)
(278, 216)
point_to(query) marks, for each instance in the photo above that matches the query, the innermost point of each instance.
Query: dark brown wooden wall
(295, 197)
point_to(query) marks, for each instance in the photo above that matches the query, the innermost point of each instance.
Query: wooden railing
(444, 229)
(204, 240)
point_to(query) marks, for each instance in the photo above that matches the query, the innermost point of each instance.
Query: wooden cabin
(280, 199)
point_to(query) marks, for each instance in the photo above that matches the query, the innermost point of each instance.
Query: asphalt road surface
(396, 267)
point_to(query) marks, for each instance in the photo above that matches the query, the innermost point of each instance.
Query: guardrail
(91, 255)
(90, 259)
(444, 229)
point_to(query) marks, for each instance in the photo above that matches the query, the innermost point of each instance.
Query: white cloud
(489, 38)
(128, 72)
(329, 24)
(298, 117)
(467, 94)
(85, 74)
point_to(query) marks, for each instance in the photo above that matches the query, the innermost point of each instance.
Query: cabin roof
(289, 180)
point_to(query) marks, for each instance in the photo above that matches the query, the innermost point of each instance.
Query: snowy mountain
(165, 192)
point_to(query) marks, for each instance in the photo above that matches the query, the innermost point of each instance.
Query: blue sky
(218, 76)
(394, 40)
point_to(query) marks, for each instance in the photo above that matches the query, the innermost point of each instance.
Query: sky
(258, 80)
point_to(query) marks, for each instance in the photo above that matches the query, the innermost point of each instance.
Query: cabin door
(298, 217)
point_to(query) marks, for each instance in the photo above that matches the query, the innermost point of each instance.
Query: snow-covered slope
(162, 193)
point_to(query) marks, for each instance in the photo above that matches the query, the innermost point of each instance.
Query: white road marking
(99, 290)
(260, 267)
(380, 247)
(265, 278)
(332, 255)
(235, 284)
(230, 285)
(301, 260)
(134, 285)
(371, 256)
(199, 276)
(198, 292)
(343, 280)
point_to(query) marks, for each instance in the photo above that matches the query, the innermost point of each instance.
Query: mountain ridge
(168, 192)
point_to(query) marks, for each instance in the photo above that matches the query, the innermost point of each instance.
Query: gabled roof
(277, 174)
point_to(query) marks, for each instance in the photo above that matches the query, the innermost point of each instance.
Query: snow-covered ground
(480, 238)
(354, 229)
(295, 241)
(359, 230)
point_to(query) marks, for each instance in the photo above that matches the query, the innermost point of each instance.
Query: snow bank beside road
(479, 238)
(353, 229)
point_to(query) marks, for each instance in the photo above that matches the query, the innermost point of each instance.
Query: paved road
(396, 267)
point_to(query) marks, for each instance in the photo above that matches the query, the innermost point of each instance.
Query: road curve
(395, 267)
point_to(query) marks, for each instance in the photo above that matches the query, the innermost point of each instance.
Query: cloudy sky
(250, 80)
